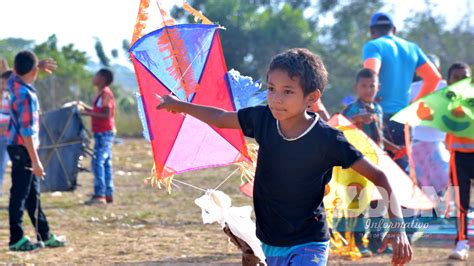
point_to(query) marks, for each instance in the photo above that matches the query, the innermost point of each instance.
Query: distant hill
(123, 75)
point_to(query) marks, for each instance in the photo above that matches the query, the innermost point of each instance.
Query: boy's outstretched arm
(402, 251)
(209, 115)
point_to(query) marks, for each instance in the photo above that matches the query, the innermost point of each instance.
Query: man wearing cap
(396, 61)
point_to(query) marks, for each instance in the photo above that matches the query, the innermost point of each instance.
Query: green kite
(450, 110)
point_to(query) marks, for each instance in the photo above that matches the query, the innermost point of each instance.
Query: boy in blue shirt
(367, 115)
(296, 150)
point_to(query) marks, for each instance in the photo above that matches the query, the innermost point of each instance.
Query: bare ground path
(147, 226)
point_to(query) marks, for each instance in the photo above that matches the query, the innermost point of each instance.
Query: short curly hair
(107, 75)
(300, 62)
(24, 62)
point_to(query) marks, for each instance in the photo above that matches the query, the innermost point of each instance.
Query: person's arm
(209, 115)
(36, 165)
(373, 63)
(402, 251)
(84, 106)
(431, 78)
(371, 57)
(47, 65)
(319, 108)
(106, 110)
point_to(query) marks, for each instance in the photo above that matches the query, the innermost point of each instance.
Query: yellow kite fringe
(156, 181)
(247, 168)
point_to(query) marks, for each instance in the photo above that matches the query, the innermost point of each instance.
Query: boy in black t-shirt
(296, 150)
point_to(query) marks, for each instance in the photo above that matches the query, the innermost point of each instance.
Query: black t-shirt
(291, 176)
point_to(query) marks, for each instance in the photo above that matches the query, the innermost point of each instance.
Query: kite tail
(166, 19)
(197, 14)
(247, 168)
(140, 23)
(342, 245)
(180, 69)
(156, 180)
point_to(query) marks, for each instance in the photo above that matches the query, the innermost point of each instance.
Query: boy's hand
(80, 105)
(48, 65)
(37, 169)
(170, 103)
(401, 247)
(366, 118)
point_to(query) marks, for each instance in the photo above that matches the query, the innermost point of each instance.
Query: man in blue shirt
(396, 61)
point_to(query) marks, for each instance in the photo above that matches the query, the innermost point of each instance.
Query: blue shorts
(313, 253)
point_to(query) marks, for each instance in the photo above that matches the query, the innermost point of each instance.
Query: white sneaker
(461, 252)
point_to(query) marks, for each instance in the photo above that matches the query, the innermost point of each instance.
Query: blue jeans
(3, 160)
(102, 164)
(313, 253)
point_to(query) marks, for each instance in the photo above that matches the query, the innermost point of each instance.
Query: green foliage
(11, 46)
(99, 49)
(71, 81)
(257, 30)
(450, 45)
(341, 45)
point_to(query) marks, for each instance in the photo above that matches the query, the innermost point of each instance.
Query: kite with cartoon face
(450, 110)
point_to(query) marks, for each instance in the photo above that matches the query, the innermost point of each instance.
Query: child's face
(286, 97)
(98, 80)
(367, 88)
(458, 74)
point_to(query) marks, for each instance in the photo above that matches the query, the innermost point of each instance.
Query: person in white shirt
(430, 156)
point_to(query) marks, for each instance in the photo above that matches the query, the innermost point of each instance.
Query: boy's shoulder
(329, 133)
(18, 88)
(351, 109)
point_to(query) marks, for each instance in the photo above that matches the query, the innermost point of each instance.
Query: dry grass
(148, 226)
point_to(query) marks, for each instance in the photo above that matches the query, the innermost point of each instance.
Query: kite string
(202, 189)
(227, 178)
(189, 185)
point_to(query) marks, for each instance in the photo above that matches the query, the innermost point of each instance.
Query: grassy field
(149, 226)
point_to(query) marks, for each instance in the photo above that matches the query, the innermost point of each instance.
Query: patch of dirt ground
(149, 226)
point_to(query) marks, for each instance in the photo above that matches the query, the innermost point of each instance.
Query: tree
(99, 49)
(71, 81)
(341, 44)
(11, 46)
(257, 30)
(429, 32)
